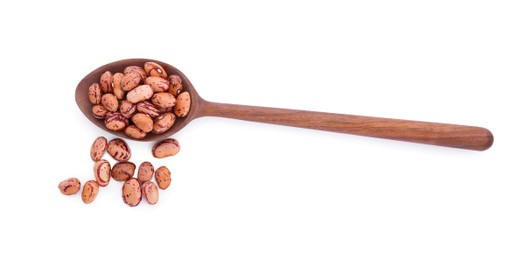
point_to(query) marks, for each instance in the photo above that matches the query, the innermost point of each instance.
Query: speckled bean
(115, 121)
(151, 192)
(127, 109)
(98, 148)
(105, 81)
(110, 102)
(163, 100)
(140, 93)
(154, 69)
(163, 122)
(131, 192)
(123, 171)
(134, 132)
(136, 69)
(148, 108)
(163, 177)
(117, 85)
(130, 81)
(69, 186)
(99, 112)
(165, 148)
(157, 84)
(90, 191)
(102, 172)
(146, 171)
(95, 93)
(175, 85)
(119, 150)
(182, 105)
(143, 122)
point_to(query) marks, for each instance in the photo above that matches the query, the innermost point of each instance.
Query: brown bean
(154, 69)
(119, 150)
(175, 85)
(163, 100)
(164, 122)
(143, 122)
(134, 132)
(90, 191)
(146, 171)
(182, 105)
(99, 111)
(131, 192)
(163, 177)
(140, 93)
(69, 186)
(110, 102)
(117, 85)
(95, 93)
(127, 109)
(157, 84)
(165, 148)
(115, 121)
(106, 80)
(148, 108)
(98, 148)
(123, 171)
(102, 172)
(130, 81)
(150, 191)
(136, 69)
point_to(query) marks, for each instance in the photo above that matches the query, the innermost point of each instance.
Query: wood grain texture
(456, 136)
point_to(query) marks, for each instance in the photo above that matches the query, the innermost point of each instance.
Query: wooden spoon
(457, 136)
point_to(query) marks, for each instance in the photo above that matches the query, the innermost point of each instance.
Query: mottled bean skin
(102, 172)
(90, 191)
(157, 84)
(148, 108)
(123, 171)
(163, 177)
(110, 102)
(143, 122)
(98, 148)
(99, 111)
(69, 186)
(166, 148)
(182, 105)
(150, 191)
(164, 122)
(115, 121)
(131, 192)
(106, 80)
(95, 93)
(117, 85)
(130, 81)
(175, 85)
(146, 171)
(140, 93)
(154, 69)
(163, 99)
(119, 150)
(136, 69)
(134, 132)
(127, 109)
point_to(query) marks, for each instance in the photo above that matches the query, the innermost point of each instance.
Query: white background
(245, 190)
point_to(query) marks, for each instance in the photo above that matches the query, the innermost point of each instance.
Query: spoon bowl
(449, 135)
(86, 107)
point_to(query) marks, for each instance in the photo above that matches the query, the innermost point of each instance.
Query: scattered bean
(69, 186)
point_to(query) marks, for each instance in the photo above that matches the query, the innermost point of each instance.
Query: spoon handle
(456, 136)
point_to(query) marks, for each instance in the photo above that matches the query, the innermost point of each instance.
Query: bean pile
(139, 100)
(133, 189)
